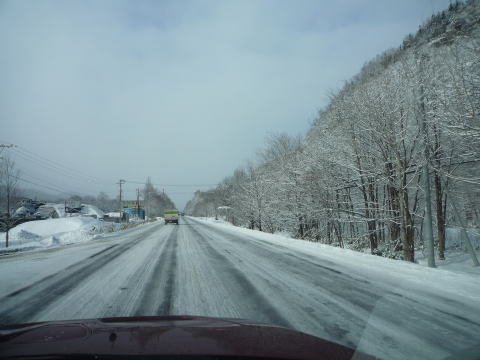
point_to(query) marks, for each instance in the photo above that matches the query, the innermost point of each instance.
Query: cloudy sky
(181, 91)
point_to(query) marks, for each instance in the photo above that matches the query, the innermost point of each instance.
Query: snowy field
(391, 309)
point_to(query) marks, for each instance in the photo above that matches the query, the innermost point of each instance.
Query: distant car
(171, 216)
(46, 212)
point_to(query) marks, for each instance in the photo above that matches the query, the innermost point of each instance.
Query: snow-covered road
(199, 268)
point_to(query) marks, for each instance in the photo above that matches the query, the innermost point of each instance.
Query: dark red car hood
(163, 336)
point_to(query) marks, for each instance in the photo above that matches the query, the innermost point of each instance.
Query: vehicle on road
(164, 337)
(171, 216)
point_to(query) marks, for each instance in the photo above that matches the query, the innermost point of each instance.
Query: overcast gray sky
(181, 91)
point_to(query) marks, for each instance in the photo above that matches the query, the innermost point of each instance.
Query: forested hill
(357, 179)
(460, 19)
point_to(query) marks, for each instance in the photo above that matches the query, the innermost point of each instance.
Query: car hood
(166, 335)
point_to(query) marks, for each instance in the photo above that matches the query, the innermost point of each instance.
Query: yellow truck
(171, 216)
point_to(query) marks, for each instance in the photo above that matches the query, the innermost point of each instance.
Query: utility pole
(138, 203)
(120, 183)
(138, 199)
(428, 232)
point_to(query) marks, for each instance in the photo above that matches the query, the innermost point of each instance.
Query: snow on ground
(92, 210)
(59, 208)
(454, 238)
(455, 260)
(447, 279)
(390, 308)
(113, 214)
(56, 232)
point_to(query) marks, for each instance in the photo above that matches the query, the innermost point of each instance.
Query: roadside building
(134, 209)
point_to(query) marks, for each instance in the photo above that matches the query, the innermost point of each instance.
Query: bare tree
(9, 176)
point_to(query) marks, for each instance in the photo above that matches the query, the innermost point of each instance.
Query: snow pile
(92, 210)
(56, 232)
(113, 214)
(218, 220)
(59, 208)
(26, 236)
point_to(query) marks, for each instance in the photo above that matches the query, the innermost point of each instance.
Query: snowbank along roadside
(58, 232)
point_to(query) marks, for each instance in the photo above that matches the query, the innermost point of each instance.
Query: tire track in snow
(303, 293)
(365, 300)
(201, 288)
(332, 280)
(359, 292)
(25, 288)
(21, 305)
(159, 292)
(130, 284)
(248, 289)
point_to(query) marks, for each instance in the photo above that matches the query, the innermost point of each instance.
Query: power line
(179, 192)
(413, 169)
(43, 186)
(58, 169)
(55, 186)
(171, 185)
(66, 175)
(57, 164)
(71, 173)
(51, 188)
(52, 167)
(47, 165)
(32, 158)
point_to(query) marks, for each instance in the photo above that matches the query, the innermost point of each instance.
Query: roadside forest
(357, 179)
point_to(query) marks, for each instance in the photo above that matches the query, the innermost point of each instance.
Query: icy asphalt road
(201, 269)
